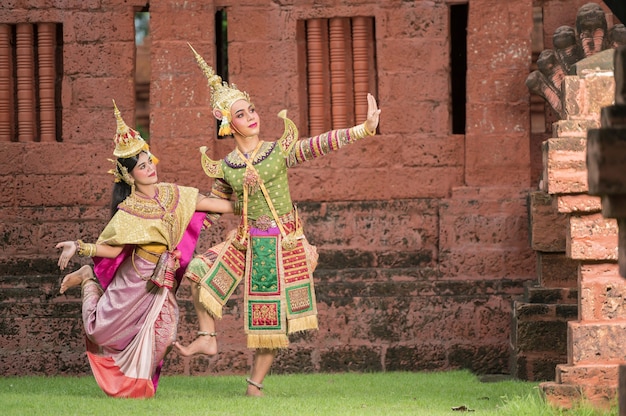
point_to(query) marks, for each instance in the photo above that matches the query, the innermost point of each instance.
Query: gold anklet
(205, 333)
(255, 384)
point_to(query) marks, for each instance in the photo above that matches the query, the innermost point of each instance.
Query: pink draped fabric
(131, 325)
(130, 328)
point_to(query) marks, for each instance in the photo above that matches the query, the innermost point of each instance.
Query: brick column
(606, 159)
(594, 341)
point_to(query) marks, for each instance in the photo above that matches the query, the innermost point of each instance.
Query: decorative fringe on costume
(212, 306)
(302, 324)
(271, 341)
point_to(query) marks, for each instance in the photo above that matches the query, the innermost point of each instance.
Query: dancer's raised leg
(76, 278)
(206, 342)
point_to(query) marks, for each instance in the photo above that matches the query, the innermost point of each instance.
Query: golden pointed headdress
(128, 143)
(222, 95)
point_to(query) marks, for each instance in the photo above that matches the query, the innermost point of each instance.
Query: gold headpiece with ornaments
(223, 96)
(128, 143)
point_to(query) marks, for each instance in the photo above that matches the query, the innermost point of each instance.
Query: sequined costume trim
(166, 199)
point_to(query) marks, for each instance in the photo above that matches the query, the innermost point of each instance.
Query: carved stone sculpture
(571, 45)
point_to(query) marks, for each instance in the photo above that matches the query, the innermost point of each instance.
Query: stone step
(536, 366)
(547, 225)
(525, 311)
(592, 374)
(540, 328)
(556, 270)
(561, 395)
(568, 395)
(548, 295)
(29, 288)
(70, 307)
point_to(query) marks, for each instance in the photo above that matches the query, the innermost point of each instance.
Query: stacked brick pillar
(595, 341)
(606, 164)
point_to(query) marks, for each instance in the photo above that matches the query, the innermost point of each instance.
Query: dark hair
(121, 189)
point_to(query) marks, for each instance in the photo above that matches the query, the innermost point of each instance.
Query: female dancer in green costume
(269, 250)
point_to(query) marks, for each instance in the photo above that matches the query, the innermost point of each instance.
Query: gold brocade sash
(222, 277)
(279, 294)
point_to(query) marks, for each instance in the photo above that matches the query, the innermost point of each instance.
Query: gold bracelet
(369, 133)
(356, 133)
(85, 249)
(238, 207)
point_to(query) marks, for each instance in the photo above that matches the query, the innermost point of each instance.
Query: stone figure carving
(571, 45)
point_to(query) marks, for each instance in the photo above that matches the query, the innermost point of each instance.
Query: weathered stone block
(596, 343)
(425, 357)
(602, 292)
(547, 226)
(293, 361)
(531, 366)
(592, 237)
(561, 395)
(599, 86)
(557, 270)
(347, 358)
(532, 311)
(586, 93)
(542, 336)
(572, 128)
(601, 374)
(539, 294)
(476, 226)
(622, 246)
(564, 166)
(606, 158)
(481, 359)
(578, 203)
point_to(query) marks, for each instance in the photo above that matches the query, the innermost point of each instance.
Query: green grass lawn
(395, 393)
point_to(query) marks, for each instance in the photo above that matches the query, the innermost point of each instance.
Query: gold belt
(265, 222)
(146, 255)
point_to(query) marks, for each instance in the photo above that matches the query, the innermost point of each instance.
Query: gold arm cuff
(369, 133)
(238, 207)
(356, 133)
(85, 249)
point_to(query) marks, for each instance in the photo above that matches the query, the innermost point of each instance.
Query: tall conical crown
(128, 142)
(222, 95)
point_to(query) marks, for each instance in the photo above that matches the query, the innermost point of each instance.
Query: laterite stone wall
(423, 234)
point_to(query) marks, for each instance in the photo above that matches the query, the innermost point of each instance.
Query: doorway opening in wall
(537, 103)
(458, 65)
(221, 49)
(221, 44)
(540, 113)
(142, 72)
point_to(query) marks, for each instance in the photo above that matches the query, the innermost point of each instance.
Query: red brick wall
(423, 234)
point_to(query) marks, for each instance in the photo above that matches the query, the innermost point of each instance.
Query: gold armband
(85, 249)
(359, 132)
(238, 207)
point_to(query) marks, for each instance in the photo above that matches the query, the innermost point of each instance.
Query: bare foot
(76, 278)
(253, 391)
(204, 344)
